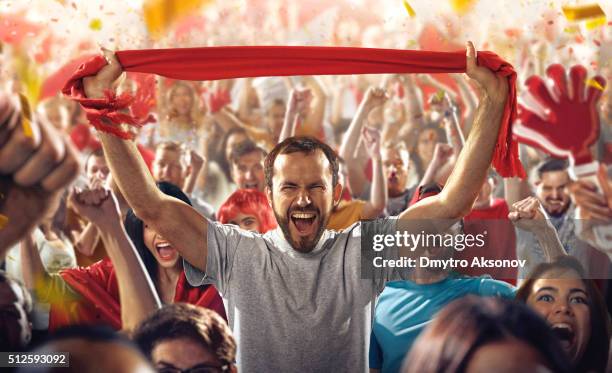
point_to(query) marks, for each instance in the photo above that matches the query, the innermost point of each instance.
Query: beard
(304, 244)
(554, 210)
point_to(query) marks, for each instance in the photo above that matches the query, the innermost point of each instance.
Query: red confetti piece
(597, 42)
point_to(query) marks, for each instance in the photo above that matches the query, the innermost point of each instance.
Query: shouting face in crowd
(303, 189)
(551, 192)
(166, 255)
(168, 165)
(246, 162)
(563, 300)
(181, 100)
(395, 164)
(96, 168)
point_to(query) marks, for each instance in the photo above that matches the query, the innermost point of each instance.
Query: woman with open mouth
(574, 308)
(91, 295)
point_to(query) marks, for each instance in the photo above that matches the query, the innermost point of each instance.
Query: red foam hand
(570, 122)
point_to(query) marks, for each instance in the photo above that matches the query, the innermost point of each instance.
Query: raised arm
(378, 193)
(32, 267)
(465, 182)
(373, 97)
(178, 222)
(468, 97)
(312, 124)
(297, 108)
(137, 294)
(529, 215)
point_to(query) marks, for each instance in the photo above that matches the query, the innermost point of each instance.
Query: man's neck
(396, 193)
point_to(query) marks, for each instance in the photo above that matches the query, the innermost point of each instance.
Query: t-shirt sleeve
(375, 354)
(224, 243)
(494, 288)
(371, 266)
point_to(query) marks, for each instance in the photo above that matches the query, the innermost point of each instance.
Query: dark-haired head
(302, 183)
(145, 239)
(551, 179)
(246, 163)
(184, 336)
(573, 306)
(474, 333)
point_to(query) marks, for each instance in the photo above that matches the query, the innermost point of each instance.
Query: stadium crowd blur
(87, 273)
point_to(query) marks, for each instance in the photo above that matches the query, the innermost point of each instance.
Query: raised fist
(569, 124)
(36, 164)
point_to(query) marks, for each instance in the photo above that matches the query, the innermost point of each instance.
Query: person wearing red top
(118, 291)
(490, 215)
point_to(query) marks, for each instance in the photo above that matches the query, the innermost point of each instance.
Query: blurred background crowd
(205, 143)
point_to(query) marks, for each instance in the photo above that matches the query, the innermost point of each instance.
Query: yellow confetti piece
(595, 23)
(440, 95)
(160, 15)
(409, 9)
(462, 6)
(3, 221)
(26, 113)
(594, 83)
(578, 13)
(572, 29)
(10, 258)
(95, 24)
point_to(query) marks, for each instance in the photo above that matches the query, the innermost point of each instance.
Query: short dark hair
(302, 144)
(551, 164)
(595, 356)
(463, 326)
(98, 153)
(181, 320)
(244, 148)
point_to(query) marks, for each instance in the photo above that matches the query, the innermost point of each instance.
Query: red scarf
(98, 301)
(214, 63)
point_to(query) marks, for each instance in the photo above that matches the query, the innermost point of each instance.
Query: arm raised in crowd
(378, 193)
(36, 164)
(178, 222)
(529, 215)
(299, 103)
(465, 182)
(137, 294)
(356, 177)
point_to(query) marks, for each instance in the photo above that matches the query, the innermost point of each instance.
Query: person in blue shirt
(406, 307)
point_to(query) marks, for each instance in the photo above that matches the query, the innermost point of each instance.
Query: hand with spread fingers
(569, 124)
(36, 165)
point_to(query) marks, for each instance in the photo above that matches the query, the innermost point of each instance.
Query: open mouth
(165, 251)
(392, 178)
(304, 222)
(565, 333)
(251, 185)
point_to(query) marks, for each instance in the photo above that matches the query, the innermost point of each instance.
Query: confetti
(3, 221)
(595, 23)
(95, 24)
(572, 29)
(579, 13)
(27, 116)
(409, 9)
(462, 6)
(594, 83)
(160, 15)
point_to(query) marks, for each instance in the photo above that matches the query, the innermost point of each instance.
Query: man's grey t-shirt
(292, 311)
